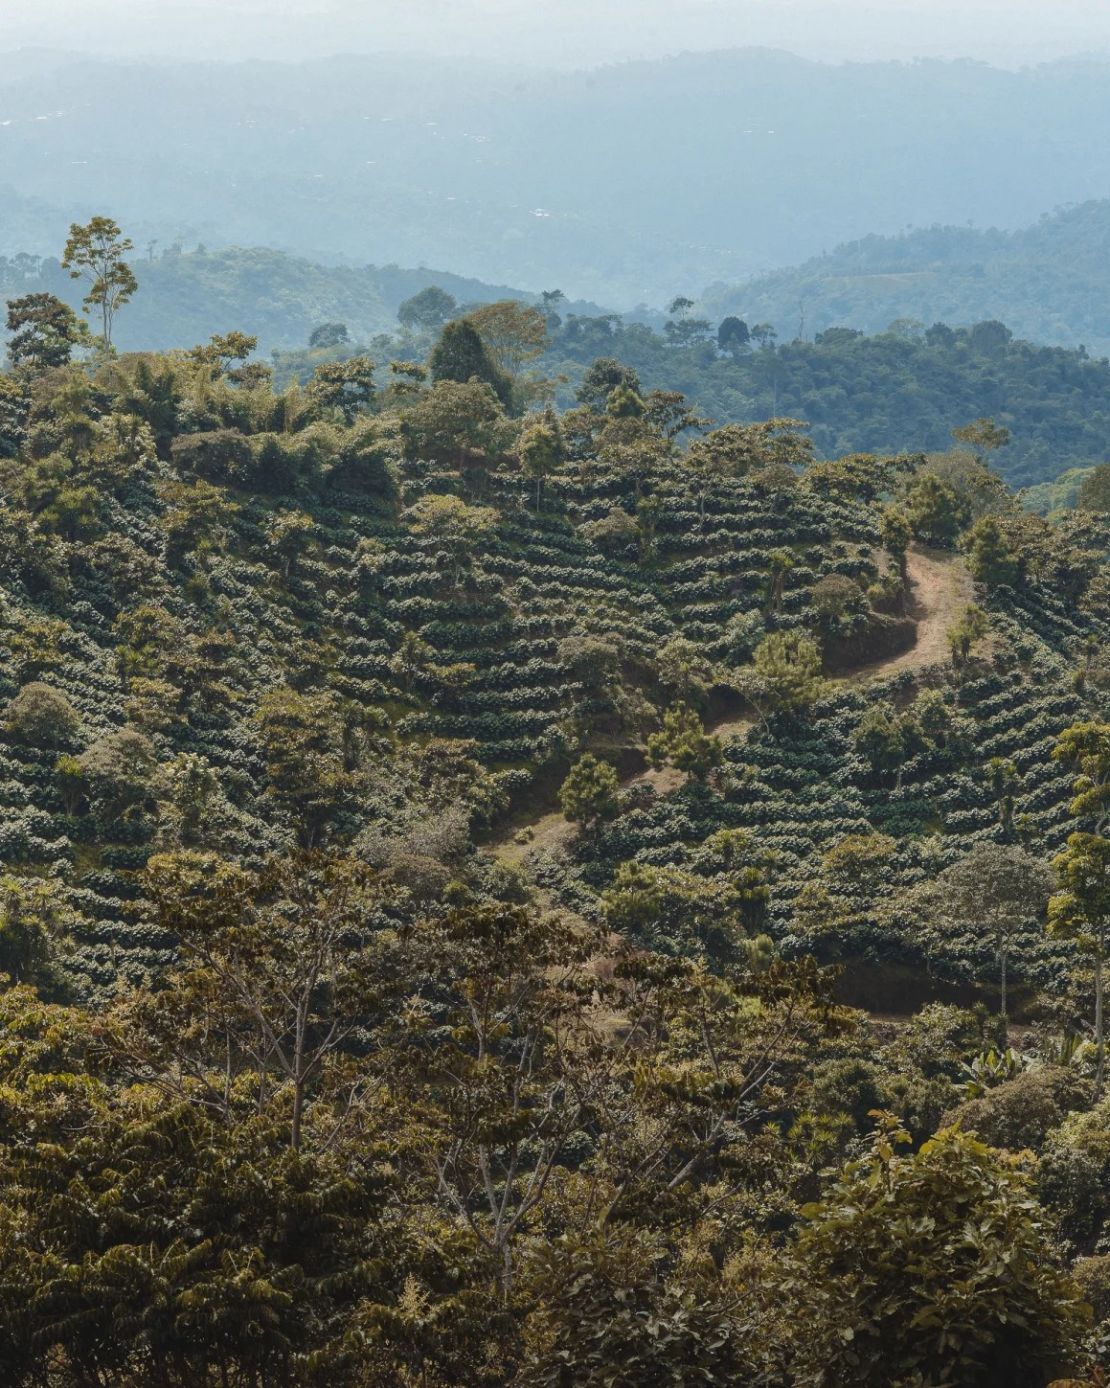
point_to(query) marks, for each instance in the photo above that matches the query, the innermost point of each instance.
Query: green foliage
(461, 356)
(935, 511)
(589, 796)
(990, 558)
(44, 331)
(385, 1085)
(684, 744)
(42, 716)
(911, 1297)
(787, 673)
(96, 252)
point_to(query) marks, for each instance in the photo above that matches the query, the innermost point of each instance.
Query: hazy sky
(571, 32)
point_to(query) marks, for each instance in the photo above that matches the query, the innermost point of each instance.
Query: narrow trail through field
(940, 588)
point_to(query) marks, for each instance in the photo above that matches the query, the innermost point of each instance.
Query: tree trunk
(1100, 1040)
(298, 1112)
(1004, 959)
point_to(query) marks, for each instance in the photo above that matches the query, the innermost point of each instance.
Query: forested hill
(325, 1061)
(1049, 282)
(904, 389)
(277, 298)
(908, 388)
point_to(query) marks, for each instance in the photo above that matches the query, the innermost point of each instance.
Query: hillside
(1049, 281)
(517, 898)
(901, 390)
(535, 178)
(275, 297)
(907, 389)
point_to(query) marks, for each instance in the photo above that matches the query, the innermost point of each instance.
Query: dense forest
(499, 894)
(1049, 281)
(902, 389)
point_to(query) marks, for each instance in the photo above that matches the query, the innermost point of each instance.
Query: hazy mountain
(1049, 282)
(628, 183)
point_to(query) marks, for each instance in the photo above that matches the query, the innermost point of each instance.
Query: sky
(569, 33)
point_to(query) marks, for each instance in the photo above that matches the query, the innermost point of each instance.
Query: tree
(936, 1267)
(1080, 911)
(41, 716)
(282, 960)
(991, 338)
(346, 386)
(881, 738)
(461, 356)
(862, 476)
(1003, 779)
(222, 351)
(934, 510)
(289, 534)
(787, 674)
(15, 411)
(684, 744)
(764, 335)
(118, 772)
(301, 744)
(96, 252)
(982, 435)
(503, 1073)
(997, 890)
(683, 668)
(427, 311)
(195, 520)
(513, 333)
(589, 795)
(44, 331)
(733, 335)
(1094, 493)
(550, 299)
(542, 450)
(329, 335)
(972, 626)
(675, 912)
(602, 377)
(781, 562)
(991, 559)
(450, 522)
(458, 421)
(34, 924)
(1086, 746)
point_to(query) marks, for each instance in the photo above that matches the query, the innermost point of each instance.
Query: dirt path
(552, 832)
(941, 588)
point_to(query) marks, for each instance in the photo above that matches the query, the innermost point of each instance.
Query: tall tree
(1080, 911)
(95, 252)
(461, 355)
(995, 889)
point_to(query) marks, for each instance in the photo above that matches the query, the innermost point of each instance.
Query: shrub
(41, 716)
(1021, 1112)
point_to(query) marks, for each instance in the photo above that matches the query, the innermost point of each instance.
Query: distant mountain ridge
(1049, 282)
(625, 184)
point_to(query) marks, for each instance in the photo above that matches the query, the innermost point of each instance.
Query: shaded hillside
(1049, 282)
(326, 1060)
(903, 390)
(242, 550)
